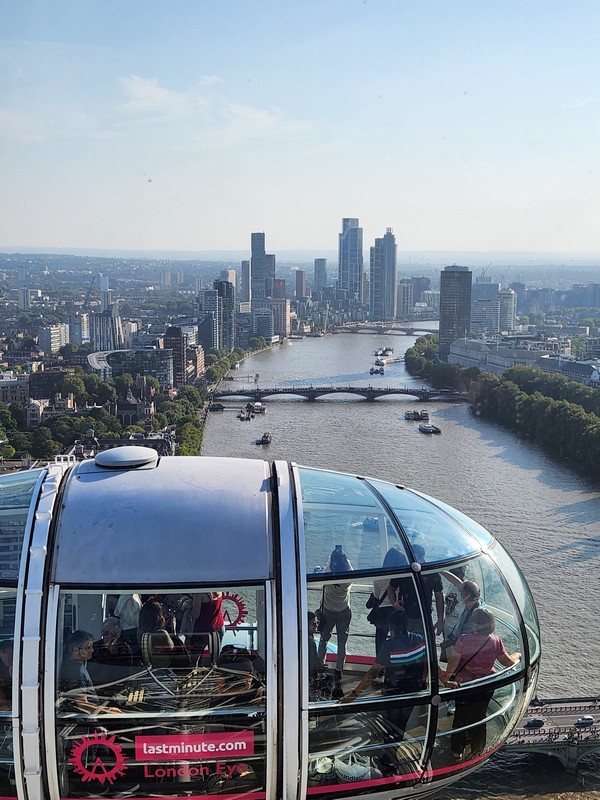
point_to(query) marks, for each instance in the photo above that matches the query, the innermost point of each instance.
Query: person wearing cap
(473, 657)
(402, 657)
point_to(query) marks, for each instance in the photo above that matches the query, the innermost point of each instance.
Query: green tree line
(553, 411)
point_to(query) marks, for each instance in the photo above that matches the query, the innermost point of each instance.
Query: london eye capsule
(158, 633)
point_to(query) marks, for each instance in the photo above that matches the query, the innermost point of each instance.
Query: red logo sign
(234, 609)
(98, 758)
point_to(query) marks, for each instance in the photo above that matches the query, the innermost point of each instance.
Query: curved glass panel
(341, 511)
(472, 727)
(485, 639)
(523, 597)
(427, 525)
(16, 495)
(369, 750)
(168, 698)
(483, 536)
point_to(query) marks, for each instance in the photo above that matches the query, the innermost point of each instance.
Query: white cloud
(246, 122)
(580, 103)
(147, 96)
(210, 80)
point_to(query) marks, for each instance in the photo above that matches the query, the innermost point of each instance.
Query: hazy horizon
(475, 258)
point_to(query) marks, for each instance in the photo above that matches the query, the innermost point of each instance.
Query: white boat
(425, 427)
(259, 408)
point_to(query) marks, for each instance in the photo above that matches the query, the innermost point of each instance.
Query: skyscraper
(382, 278)
(350, 257)
(210, 304)
(455, 305)
(245, 292)
(257, 266)
(320, 274)
(226, 292)
(301, 285)
(508, 310)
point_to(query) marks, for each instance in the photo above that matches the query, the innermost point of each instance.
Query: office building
(270, 267)
(382, 278)
(279, 290)
(320, 274)
(301, 284)
(420, 284)
(262, 268)
(455, 305)
(484, 289)
(485, 315)
(245, 288)
(263, 323)
(350, 258)
(231, 276)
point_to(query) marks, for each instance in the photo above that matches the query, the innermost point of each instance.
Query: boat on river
(418, 416)
(426, 427)
(264, 439)
(259, 408)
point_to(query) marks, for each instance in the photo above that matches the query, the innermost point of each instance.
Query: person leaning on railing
(473, 657)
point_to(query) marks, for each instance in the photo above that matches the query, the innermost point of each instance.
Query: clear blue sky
(185, 124)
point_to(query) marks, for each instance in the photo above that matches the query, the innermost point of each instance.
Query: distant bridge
(313, 393)
(397, 328)
(559, 736)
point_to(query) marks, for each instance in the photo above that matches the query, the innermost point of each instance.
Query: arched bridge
(560, 735)
(313, 393)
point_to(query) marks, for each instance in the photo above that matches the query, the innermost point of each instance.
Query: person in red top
(473, 657)
(209, 624)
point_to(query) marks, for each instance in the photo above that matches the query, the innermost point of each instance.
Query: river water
(546, 516)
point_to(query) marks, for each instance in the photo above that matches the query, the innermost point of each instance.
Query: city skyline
(461, 126)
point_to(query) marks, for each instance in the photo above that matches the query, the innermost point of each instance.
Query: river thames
(547, 516)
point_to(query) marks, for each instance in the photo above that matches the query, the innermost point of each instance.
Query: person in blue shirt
(403, 658)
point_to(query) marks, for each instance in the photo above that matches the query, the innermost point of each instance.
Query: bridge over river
(313, 393)
(398, 328)
(559, 735)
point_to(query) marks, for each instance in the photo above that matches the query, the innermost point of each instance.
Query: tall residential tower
(350, 259)
(382, 278)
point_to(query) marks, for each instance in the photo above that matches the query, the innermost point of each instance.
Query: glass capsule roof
(370, 517)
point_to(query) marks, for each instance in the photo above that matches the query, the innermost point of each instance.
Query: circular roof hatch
(127, 457)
